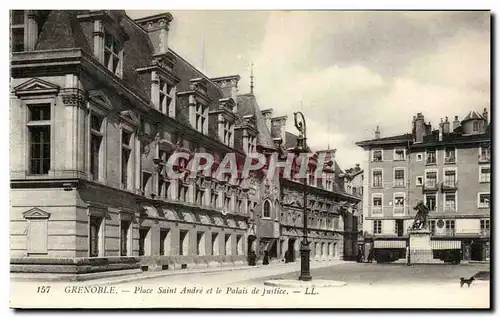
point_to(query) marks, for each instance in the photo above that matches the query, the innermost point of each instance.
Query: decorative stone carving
(242, 225)
(218, 221)
(72, 96)
(231, 223)
(188, 217)
(204, 219)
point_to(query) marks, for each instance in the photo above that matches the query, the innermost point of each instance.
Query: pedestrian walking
(266, 258)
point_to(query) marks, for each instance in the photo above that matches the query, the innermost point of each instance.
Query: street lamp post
(305, 251)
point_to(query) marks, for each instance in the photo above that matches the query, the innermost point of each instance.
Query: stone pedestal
(420, 247)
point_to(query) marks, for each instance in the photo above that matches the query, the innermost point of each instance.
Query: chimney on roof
(377, 133)
(420, 127)
(446, 126)
(485, 114)
(441, 128)
(278, 128)
(267, 114)
(157, 27)
(456, 123)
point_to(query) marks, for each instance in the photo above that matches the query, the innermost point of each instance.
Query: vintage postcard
(250, 159)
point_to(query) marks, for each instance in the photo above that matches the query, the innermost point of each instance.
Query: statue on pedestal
(420, 221)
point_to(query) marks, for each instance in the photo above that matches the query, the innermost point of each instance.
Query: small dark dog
(464, 281)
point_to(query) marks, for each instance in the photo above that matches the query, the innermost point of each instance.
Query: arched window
(266, 209)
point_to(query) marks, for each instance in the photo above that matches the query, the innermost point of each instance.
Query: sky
(347, 71)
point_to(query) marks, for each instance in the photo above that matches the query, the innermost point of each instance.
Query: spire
(251, 78)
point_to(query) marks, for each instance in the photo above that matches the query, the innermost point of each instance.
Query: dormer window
(227, 137)
(113, 55)
(167, 98)
(17, 28)
(252, 144)
(201, 118)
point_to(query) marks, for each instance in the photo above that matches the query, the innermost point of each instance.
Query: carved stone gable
(36, 86)
(36, 213)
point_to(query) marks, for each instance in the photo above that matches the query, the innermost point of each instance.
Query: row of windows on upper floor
(154, 184)
(163, 91)
(449, 227)
(431, 155)
(399, 203)
(430, 179)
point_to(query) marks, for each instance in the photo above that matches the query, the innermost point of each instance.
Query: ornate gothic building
(99, 103)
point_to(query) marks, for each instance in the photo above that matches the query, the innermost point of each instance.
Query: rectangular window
(39, 132)
(484, 174)
(377, 226)
(450, 178)
(450, 227)
(124, 229)
(431, 157)
(449, 155)
(96, 151)
(399, 203)
(419, 157)
(112, 55)
(475, 126)
(399, 154)
(399, 177)
(377, 205)
(450, 202)
(430, 201)
(483, 200)
(485, 227)
(420, 181)
(201, 114)
(377, 155)
(167, 97)
(431, 179)
(95, 235)
(484, 153)
(17, 30)
(126, 151)
(377, 179)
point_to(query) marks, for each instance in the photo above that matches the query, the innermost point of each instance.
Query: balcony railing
(430, 161)
(449, 232)
(399, 183)
(399, 210)
(450, 159)
(450, 209)
(449, 185)
(431, 185)
(485, 232)
(484, 158)
(376, 210)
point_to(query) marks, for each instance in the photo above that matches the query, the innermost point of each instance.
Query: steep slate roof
(247, 105)
(391, 139)
(473, 115)
(291, 140)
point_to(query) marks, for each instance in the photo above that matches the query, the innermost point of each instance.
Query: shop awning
(446, 245)
(390, 244)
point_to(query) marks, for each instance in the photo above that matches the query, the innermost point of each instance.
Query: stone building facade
(447, 168)
(99, 103)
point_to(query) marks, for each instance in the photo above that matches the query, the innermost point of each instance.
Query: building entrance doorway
(290, 255)
(251, 244)
(476, 252)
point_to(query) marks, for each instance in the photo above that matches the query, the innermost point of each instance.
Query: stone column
(155, 90)
(31, 30)
(98, 35)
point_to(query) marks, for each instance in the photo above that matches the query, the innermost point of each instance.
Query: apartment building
(99, 103)
(447, 168)
(353, 241)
